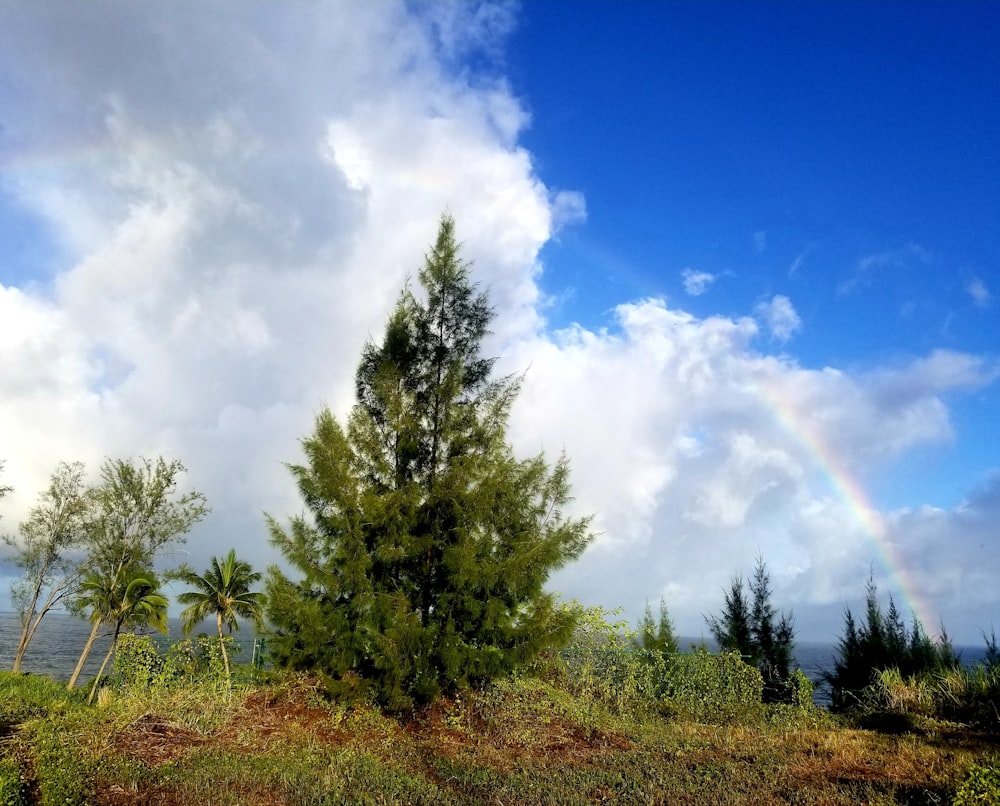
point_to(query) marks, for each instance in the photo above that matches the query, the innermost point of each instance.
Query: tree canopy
(427, 544)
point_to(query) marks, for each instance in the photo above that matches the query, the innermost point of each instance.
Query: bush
(139, 664)
(712, 688)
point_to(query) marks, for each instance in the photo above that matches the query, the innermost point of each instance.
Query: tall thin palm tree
(224, 590)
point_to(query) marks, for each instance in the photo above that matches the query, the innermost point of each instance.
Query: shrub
(137, 662)
(712, 688)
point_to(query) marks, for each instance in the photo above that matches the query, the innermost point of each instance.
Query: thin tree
(428, 544)
(48, 551)
(223, 591)
(139, 514)
(130, 600)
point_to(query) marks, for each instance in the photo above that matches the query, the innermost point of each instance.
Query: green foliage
(13, 786)
(981, 786)
(27, 696)
(139, 665)
(139, 513)
(752, 627)
(712, 688)
(602, 666)
(62, 776)
(882, 643)
(800, 690)
(47, 550)
(427, 545)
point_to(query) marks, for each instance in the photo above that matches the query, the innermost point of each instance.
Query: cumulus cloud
(237, 199)
(697, 283)
(696, 451)
(779, 316)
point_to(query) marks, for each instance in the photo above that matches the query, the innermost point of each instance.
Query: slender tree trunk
(222, 646)
(27, 616)
(104, 663)
(83, 655)
(22, 645)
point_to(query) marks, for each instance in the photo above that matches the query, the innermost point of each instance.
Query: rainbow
(847, 488)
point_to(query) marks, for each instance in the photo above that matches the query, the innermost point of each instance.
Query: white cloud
(240, 198)
(980, 294)
(697, 283)
(695, 452)
(760, 240)
(871, 267)
(779, 316)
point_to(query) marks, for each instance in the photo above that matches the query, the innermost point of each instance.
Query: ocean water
(56, 647)
(60, 638)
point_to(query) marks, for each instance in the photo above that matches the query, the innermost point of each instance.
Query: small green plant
(981, 786)
(137, 662)
(61, 774)
(12, 783)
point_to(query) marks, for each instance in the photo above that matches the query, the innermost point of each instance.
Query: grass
(522, 741)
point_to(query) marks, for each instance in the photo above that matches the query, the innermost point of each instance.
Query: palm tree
(223, 591)
(127, 600)
(98, 595)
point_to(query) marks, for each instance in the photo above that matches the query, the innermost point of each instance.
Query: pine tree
(427, 545)
(732, 631)
(881, 643)
(656, 635)
(754, 628)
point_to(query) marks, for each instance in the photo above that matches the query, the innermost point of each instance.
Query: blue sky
(842, 154)
(747, 253)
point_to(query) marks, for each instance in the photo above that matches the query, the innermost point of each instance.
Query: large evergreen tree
(427, 545)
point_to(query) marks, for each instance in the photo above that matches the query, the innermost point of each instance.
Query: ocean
(60, 638)
(56, 647)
